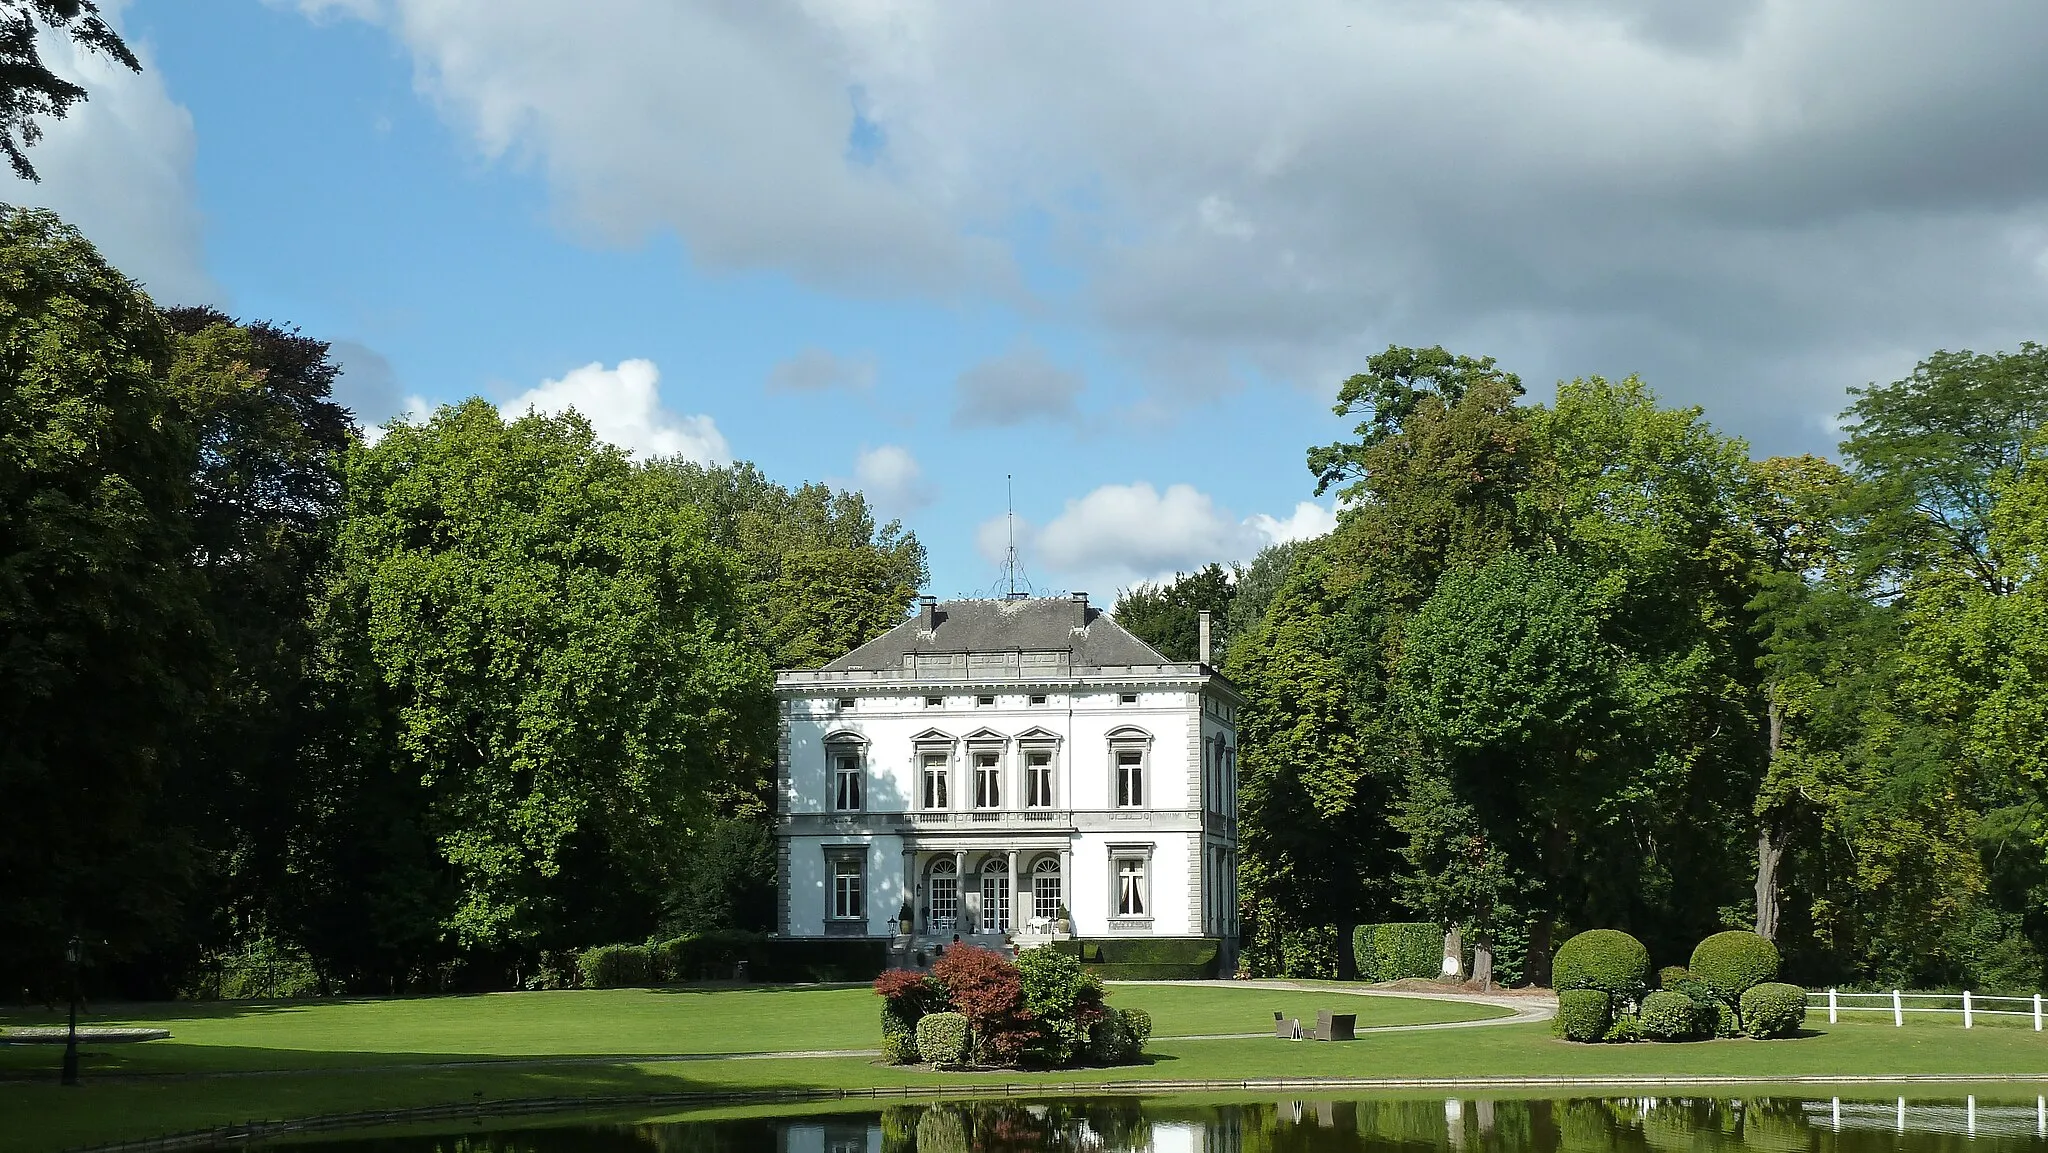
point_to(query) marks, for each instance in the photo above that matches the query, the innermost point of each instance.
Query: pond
(1999, 1120)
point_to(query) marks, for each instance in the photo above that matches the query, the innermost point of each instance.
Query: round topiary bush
(1138, 1026)
(1584, 1014)
(1669, 1015)
(1605, 959)
(1670, 976)
(1773, 1009)
(1729, 963)
(942, 1038)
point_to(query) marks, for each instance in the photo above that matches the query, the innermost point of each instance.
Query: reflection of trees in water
(1128, 1125)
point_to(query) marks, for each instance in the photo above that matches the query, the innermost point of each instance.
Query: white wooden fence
(1970, 1005)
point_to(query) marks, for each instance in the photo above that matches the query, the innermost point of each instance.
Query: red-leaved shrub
(985, 988)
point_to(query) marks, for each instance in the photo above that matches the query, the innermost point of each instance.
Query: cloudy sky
(1124, 252)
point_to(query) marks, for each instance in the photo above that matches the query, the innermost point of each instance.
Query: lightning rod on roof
(1014, 582)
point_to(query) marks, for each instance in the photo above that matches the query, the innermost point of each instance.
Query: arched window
(945, 895)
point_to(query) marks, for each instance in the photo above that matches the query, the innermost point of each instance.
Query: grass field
(300, 1060)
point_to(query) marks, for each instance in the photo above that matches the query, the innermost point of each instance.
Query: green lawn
(220, 1036)
(41, 1116)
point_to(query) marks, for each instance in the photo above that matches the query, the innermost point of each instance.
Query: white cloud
(816, 370)
(1120, 534)
(892, 479)
(120, 168)
(1717, 194)
(413, 410)
(1020, 385)
(1308, 520)
(624, 407)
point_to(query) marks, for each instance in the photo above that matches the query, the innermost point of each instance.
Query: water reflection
(1309, 1125)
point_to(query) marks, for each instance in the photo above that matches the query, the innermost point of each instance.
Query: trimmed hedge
(1773, 1009)
(1730, 963)
(942, 1038)
(1669, 1015)
(1670, 976)
(1605, 959)
(1398, 949)
(615, 966)
(1119, 1037)
(1583, 1015)
(1153, 959)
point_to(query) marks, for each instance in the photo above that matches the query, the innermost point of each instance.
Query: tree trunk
(1537, 968)
(1771, 838)
(1770, 852)
(1482, 963)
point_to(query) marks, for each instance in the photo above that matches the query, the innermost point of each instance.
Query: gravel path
(1521, 1007)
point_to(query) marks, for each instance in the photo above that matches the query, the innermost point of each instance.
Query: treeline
(289, 712)
(1588, 664)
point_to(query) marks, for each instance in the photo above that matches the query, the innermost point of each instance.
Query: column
(967, 901)
(910, 885)
(1016, 894)
(1067, 889)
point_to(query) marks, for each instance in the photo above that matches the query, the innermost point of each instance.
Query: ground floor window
(1133, 894)
(945, 897)
(849, 888)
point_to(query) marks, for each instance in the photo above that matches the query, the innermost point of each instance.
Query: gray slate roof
(988, 626)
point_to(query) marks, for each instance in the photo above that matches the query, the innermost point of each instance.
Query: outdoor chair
(1336, 1026)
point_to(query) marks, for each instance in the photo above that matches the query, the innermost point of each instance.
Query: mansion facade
(988, 764)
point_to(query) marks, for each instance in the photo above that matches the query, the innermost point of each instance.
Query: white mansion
(989, 761)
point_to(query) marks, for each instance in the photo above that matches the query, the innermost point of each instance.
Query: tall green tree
(563, 656)
(104, 648)
(28, 88)
(1167, 615)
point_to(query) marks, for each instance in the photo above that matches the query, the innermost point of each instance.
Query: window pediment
(1038, 736)
(845, 737)
(933, 737)
(986, 736)
(1130, 734)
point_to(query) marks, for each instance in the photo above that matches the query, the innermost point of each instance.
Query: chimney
(927, 610)
(1080, 610)
(1204, 618)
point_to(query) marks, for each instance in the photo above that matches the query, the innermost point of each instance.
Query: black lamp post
(71, 958)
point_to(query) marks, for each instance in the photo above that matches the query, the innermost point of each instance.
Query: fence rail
(1970, 1005)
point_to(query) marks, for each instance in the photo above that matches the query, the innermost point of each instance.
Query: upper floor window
(936, 780)
(1038, 779)
(988, 781)
(846, 780)
(984, 701)
(1130, 778)
(934, 702)
(845, 704)
(1037, 698)
(1127, 699)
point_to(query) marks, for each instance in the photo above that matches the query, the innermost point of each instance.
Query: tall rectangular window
(1132, 896)
(988, 781)
(935, 781)
(1038, 779)
(846, 780)
(848, 890)
(1130, 778)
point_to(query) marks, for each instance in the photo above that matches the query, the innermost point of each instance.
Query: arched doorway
(995, 895)
(1046, 893)
(942, 908)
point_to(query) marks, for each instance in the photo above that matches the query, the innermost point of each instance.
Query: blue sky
(1123, 255)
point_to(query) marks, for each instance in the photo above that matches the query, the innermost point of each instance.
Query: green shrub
(1398, 949)
(1669, 1015)
(1729, 963)
(1311, 952)
(615, 966)
(708, 956)
(1119, 1036)
(264, 967)
(714, 956)
(1626, 1027)
(1773, 1009)
(1605, 959)
(1583, 1015)
(942, 1038)
(1060, 1000)
(1669, 976)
